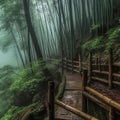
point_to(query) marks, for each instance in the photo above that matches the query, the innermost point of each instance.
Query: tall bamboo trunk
(31, 29)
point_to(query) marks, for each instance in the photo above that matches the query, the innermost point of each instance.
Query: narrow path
(72, 96)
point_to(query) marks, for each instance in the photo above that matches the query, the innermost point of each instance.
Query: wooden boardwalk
(72, 97)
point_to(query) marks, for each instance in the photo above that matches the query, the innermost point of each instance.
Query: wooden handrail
(76, 71)
(75, 111)
(100, 64)
(107, 100)
(116, 75)
(116, 64)
(100, 79)
(105, 81)
(102, 72)
(92, 98)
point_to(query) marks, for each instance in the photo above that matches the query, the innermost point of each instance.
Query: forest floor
(72, 96)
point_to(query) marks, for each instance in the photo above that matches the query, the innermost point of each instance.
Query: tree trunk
(31, 29)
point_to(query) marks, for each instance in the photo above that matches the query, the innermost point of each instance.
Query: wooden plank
(75, 111)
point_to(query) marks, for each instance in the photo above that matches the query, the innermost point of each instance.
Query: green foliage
(104, 43)
(94, 27)
(113, 33)
(7, 74)
(14, 111)
(94, 44)
(28, 78)
(61, 88)
(10, 114)
(19, 85)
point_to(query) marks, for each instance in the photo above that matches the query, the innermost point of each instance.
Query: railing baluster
(51, 101)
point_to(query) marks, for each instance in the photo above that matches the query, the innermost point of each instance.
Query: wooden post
(62, 66)
(80, 64)
(84, 84)
(99, 62)
(90, 66)
(51, 100)
(65, 63)
(72, 66)
(110, 63)
(111, 114)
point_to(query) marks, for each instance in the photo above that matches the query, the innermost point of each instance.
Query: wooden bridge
(79, 89)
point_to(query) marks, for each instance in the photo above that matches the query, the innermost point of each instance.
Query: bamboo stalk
(75, 111)
(107, 100)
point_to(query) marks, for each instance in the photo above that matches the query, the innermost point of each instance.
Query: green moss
(61, 88)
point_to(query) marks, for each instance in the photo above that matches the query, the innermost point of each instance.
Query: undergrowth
(102, 44)
(22, 89)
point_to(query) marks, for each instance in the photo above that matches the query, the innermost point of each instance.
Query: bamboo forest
(59, 59)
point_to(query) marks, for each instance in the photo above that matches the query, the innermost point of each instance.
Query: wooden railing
(90, 94)
(108, 72)
(74, 65)
(52, 102)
